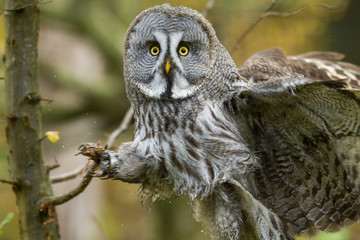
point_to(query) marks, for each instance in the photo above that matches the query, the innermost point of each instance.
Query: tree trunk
(37, 221)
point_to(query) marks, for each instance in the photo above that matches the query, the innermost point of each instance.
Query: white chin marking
(156, 87)
(181, 87)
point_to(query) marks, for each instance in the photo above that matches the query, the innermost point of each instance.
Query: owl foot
(99, 159)
(122, 165)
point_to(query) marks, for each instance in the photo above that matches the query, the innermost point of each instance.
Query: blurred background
(80, 69)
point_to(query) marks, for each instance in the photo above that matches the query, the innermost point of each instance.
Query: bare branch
(7, 181)
(47, 100)
(53, 166)
(210, 4)
(25, 6)
(271, 6)
(67, 176)
(269, 13)
(299, 9)
(57, 200)
(252, 26)
(122, 127)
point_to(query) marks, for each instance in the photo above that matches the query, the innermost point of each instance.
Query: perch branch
(67, 176)
(53, 166)
(122, 127)
(7, 181)
(57, 200)
(24, 6)
(269, 13)
(210, 4)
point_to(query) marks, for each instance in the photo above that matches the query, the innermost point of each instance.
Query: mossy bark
(37, 221)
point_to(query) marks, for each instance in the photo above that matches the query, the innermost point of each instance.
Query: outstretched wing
(301, 119)
(273, 66)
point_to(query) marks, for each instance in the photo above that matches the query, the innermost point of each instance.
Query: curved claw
(97, 173)
(99, 156)
(81, 146)
(90, 150)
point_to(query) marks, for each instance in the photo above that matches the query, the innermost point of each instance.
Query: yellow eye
(183, 51)
(155, 50)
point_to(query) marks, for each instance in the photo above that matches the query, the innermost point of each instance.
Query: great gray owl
(265, 151)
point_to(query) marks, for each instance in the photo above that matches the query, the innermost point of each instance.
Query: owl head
(169, 52)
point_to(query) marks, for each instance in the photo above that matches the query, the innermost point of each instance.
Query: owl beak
(167, 65)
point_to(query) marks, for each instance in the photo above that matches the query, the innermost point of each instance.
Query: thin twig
(25, 6)
(67, 176)
(7, 181)
(122, 127)
(299, 9)
(47, 100)
(210, 4)
(252, 26)
(53, 166)
(269, 13)
(57, 200)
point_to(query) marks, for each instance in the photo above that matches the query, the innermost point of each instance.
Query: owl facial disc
(169, 58)
(170, 81)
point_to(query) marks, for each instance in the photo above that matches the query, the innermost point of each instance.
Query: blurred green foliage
(6, 220)
(80, 69)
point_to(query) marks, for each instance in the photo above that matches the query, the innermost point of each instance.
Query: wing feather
(274, 65)
(302, 121)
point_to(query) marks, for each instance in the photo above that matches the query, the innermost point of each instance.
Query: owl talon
(91, 150)
(98, 155)
(97, 173)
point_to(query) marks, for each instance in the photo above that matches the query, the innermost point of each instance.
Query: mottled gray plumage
(266, 151)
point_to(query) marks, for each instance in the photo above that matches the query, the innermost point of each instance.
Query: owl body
(266, 151)
(182, 147)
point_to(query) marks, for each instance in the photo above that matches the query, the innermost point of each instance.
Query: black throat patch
(169, 83)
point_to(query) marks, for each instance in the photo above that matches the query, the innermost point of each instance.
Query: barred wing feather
(301, 119)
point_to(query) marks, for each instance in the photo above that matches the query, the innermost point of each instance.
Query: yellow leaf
(53, 136)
